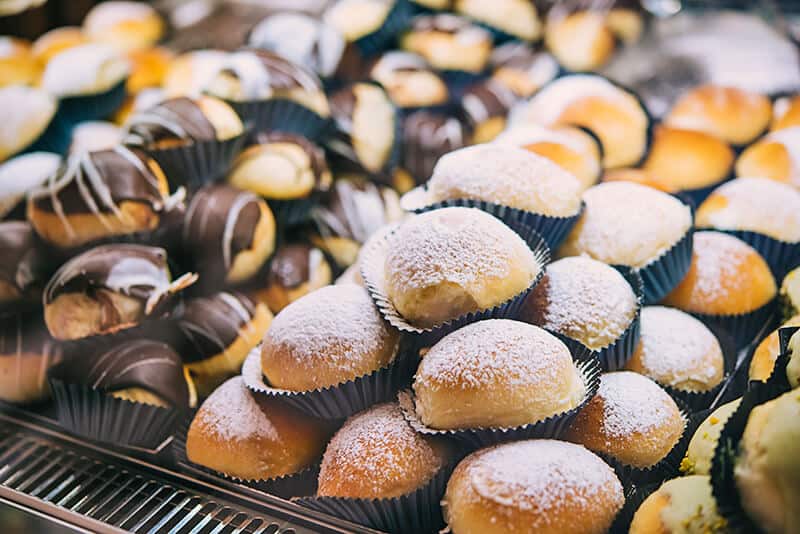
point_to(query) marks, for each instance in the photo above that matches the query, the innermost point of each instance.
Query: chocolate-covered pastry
(229, 233)
(355, 209)
(181, 121)
(99, 195)
(367, 124)
(215, 334)
(426, 137)
(24, 265)
(485, 106)
(109, 288)
(281, 166)
(249, 75)
(26, 353)
(295, 270)
(449, 42)
(409, 80)
(522, 69)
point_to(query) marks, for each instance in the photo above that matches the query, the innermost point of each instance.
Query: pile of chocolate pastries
(412, 264)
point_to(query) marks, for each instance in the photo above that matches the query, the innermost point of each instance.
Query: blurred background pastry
(27, 351)
(124, 25)
(295, 270)
(27, 113)
(679, 505)
(20, 175)
(409, 80)
(448, 42)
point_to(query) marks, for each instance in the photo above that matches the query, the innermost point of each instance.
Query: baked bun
(767, 352)
(631, 419)
(377, 455)
(775, 156)
(789, 294)
(679, 505)
(357, 18)
(518, 18)
(448, 42)
(572, 149)
(704, 441)
(87, 69)
(18, 64)
(651, 223)
(253, 437)
(33, 108)
(446, 263)
(753, 204)
(93, 136)
(786, 113)
(638, 176)
(581, 40)
(124, 25)
(327, 337)
(98, 195)
(612, 113)
(506, 175)
(734, 115)
(148, 68)
(485, 106)
(57, 40)
(688, 159)
(767, 473)
(409, 80)
(496, 373)
(26, 353)
(583, 299)
(534, 486)
(523, 69)
(295, 270)
(190, 73)
(678, 351)
(25, 266)
(281, 166)
(21, 174)
(727, 277)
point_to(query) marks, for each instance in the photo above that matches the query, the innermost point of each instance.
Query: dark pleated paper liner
(781, 256)
(75, 109)
(55, 138)
(372, 272)
(665, 272)
(635, 495)
(382, 38)
(778, 381)
(283, 115)
(697, 196)
(458, 81)
(418, 512)
(551, 427)
(553, 229)
(199, 163)
(298, 484)
(293, 212)
(743, 327)
(342, 400)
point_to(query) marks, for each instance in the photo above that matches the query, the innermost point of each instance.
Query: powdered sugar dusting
(584, 299)
(233, 414)
(633, 403)
(541, 475)
(717, 259)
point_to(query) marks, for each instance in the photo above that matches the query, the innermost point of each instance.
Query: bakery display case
(402, 266)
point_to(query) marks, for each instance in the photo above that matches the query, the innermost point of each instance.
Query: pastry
(485, 106)
(125, 25)
(84, 70)
(26, 114)
(26, 353)
(22, 174)
(679, 505)
(448, 42)
(521, 68)
(704, 441)
(409, 80)
(24, 266)
(517, 18)
(295, 270)
(775, 156)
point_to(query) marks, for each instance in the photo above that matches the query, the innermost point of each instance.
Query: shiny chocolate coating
(209, 325)
(427, 136)
(178, 118)
(316, 156)
(25, 334)
(531, 68)
(24, 264)
(261, 69)
(291, 266)
(484, 100)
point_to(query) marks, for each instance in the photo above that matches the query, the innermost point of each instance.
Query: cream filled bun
(83, 70)
(572, 149)
(24, 116)
(18, 64)
(704, 441)
(518, 18)
(753, 204)
(767, 351)
(679, 506)
(612, 113)
(506, 175)
(327, 337)
(537, 486)
(631, 419)
(767, 470)
(678, 351)
(650, 223)
(357, 18)
(775, 156)
(57, 40)
(786, 113)
(124, 25)
(496, 373)
(448, 262)
(377, 455)
(733, 115)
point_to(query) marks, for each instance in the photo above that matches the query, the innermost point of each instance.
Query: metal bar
(190, 513)
(99, 506)
(17, 459)
(43, 484)
(206, 518)
(151, 499)
(126, 501)
(60, 515)
(90, 498)
(78, 485)
(175, 508)
(16, 475)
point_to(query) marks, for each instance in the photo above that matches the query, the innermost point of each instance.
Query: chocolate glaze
(353, 210)
(427, 136)
(397, 61)
(447, 23)
(176, 118)
(209, 325)
(316, 155)
(24, 263)
(26, 334)
(278, 72)
(290, 267)
(220, 222)
(485, 100)
(97, 182)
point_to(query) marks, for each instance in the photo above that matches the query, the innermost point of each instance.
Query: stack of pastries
(400, 255)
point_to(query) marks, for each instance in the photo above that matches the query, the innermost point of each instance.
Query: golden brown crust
(639, 176)
(788, 117)
(766, 353)
(767, 159)
(688, 159)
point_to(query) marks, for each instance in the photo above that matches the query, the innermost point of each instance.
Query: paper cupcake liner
(75, 109)
(662, 275)
(293, 212)
(372, 273)
(284, 115)
(458, 81)
(199, 163)
(95, 415)
(414, 513)
(299, 484)
(342, 400)
(743, 327)
(697, 196)
(551, 427)
(396, 22)
(781, 256)
(635, 495)
(778, 381)
(553, 229)
(55, 138)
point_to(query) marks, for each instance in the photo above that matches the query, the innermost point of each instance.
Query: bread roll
(125, 25)
(775, 156)
(767, 351)
(680, 505)
(704, 441)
